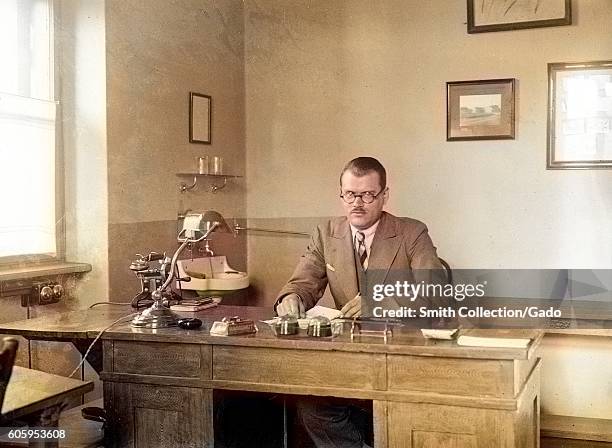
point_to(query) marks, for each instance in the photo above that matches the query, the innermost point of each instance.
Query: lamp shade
(210, 217)
(197, 224)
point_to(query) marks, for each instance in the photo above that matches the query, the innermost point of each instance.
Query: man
(340, 254)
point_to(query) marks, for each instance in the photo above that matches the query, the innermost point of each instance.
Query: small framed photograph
(503, 15)
(480, 110)
(200, 118)
(579, 115)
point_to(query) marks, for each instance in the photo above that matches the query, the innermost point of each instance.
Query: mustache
(358, 209)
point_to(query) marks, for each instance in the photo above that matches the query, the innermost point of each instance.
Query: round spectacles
(368, 197)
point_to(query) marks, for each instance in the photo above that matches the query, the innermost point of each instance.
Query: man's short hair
(362, 166)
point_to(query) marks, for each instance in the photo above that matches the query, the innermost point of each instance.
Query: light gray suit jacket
(400, 245)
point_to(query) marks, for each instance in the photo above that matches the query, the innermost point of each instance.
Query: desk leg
(46, 419)
(380, 424)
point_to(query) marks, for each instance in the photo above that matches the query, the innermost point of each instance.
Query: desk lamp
(196, 227)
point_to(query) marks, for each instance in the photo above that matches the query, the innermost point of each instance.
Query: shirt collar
(367, 232)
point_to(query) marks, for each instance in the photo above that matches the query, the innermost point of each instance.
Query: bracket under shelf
(213, 188)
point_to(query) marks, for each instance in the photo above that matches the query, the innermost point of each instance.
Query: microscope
(152, 277)
(156, 281)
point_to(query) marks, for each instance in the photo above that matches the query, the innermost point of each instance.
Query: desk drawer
(299, 367)
(476, 377)
(155, 358)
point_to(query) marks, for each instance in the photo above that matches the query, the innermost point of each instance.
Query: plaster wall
(157, 52)
(328, 81)
(82, 70)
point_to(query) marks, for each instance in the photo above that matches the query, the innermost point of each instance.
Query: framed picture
(502, 15)
(200, 118)
(480, 110)
(579, 115)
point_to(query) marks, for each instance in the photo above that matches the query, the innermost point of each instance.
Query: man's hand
(352, 308)
(291, 304)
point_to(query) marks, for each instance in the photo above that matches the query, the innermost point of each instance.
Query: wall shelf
(214, 187)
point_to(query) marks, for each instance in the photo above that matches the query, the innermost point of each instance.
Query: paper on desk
(317, 310)
(272, 321)
(324, 311)
(434, 333)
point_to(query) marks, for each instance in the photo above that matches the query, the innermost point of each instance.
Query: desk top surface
(30, 391)
(86, 324)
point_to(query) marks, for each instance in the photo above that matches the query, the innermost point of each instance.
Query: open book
(495, 338)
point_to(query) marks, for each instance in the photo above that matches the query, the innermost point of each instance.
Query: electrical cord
(109, 303)
(142, 300)
(76, 369)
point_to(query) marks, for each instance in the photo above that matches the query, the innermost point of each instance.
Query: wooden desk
(158, 384)
(37, 398)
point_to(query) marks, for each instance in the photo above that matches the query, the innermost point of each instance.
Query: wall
(328, 81)
(82, 71)
(157, 52)
(577, 376)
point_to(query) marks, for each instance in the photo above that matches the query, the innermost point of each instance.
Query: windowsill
(42, 270)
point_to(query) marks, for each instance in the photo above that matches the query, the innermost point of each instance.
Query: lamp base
(157, 316)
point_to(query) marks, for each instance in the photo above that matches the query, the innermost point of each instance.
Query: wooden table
(158, 384)
(36, 399)
(78, 327)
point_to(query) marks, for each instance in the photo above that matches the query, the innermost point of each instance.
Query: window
(27, 130)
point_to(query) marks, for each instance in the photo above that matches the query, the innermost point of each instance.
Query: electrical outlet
(43, 293)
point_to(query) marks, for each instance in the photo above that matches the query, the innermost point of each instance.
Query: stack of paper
(194, 305)
(494, 338)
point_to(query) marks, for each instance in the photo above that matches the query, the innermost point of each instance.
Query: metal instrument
(320, 327)
(286, 326)
(151, 278)
(196, 227)
(357, 331)
(232, 326)
(237, 325)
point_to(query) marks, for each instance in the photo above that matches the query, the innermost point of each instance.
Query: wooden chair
(447, 268)
(7, 360)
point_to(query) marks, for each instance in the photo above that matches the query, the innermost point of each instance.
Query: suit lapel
(384, 249)
(343, 259)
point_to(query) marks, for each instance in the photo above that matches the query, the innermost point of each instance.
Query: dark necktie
(361, 248)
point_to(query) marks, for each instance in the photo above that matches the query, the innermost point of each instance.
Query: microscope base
(155, 317)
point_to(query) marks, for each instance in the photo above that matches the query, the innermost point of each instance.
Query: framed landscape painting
(480, 110)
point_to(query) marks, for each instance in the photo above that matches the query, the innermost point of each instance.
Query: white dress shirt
(369, 237)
